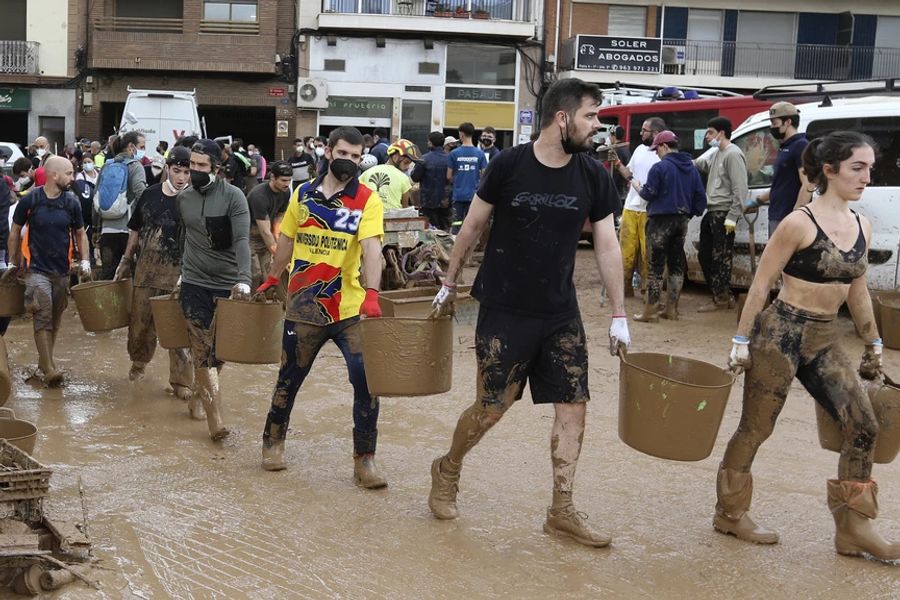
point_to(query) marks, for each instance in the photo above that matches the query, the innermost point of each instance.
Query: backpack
(242, 162)
(111, 195)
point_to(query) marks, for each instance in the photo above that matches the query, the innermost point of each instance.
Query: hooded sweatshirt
(727, 182)
(674, 187)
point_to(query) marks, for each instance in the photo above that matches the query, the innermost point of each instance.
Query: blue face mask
(88, 167)
(714, 143)
(139, 154)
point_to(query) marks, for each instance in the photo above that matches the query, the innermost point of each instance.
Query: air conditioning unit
(312, 93)
(673, 55)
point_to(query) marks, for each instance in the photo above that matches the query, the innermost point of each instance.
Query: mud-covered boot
(570, 523)
(734, 490)
(444, 488)
(273, 455)
(854, 505)
(650, 314)
(182, 392)
(43, 341)
(671, 310)
(195, 406)
(208, 390)
(137, 370)
(365, 472)
(629, 288)
(717, 304)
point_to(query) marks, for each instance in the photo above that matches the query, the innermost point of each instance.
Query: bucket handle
(7, 413)
(622, 351)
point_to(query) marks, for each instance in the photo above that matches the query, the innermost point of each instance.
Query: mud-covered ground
(173, 515)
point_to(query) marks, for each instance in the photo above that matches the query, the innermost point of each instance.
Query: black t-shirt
(300, 164)
(51, 223)
(538, 215)
(155, 217)
(265, 205)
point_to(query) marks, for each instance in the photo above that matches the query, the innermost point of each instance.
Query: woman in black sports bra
(820, 252)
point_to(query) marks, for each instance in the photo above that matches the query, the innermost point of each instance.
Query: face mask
(41, 152)
(320, 151)
(171, 187)
(139, 154)
(156, 171)
(714, 143)
(343, 169)
(487, 142)
(568, 146)
(88, 167)
(776, 133)
(23, 181)
(202, 181)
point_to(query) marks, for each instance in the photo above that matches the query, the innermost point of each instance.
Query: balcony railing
(20, 58)
(789, 61)
(503, 10)
(139, 24)
(234, 27)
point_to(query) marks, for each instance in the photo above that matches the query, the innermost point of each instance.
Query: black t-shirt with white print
(539, 212)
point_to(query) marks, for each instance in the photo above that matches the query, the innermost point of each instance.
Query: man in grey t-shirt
(268, 201)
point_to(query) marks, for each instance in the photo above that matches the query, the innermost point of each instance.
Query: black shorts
(551, 354)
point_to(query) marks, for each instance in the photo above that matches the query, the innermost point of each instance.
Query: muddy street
(174, 515)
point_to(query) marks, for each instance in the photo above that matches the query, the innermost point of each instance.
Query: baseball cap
(663, 137)
(450, 140)
(280, 168)
(405, 148)
(210, 148)
(782, 109)
(179, 155)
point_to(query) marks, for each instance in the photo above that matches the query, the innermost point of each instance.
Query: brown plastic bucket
(168, 318)
(407, 356)
(12, 298)
(878, 307)
(5, 381)
(249, 332)
(885, 398)
(671, 407)
(19, 433)
(103, 305)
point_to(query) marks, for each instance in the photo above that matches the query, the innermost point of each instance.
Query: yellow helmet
(406, 149)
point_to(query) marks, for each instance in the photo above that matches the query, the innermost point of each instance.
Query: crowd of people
(211, 221)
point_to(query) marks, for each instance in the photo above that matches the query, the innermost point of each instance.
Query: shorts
(550, 354)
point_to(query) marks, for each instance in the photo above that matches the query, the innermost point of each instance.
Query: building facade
(725, 45)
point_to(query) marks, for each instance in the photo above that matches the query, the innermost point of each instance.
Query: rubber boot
(715, 305)
(273, 455)
(182, 392)
(43, 340)
(208, 390)
(671, 310)
(195, 406)
(137, 370)
(650, 314)
(365, 472)
(854, 505)
(568, 522)
(444, 488)
(629, 289)
(734, 489)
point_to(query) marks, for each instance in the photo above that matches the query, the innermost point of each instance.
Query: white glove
(123, 271)
(84, 269)
(729, 226)
(443, 300)
(618, 334)
(739, 360)
(240, 291)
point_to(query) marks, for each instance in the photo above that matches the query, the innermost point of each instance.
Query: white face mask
(41, 152)
(320, 151)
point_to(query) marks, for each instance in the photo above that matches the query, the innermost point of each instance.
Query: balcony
(139, 24)
(19, 58)
(495, 18)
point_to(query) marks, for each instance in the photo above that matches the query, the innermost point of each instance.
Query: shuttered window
(628, 21)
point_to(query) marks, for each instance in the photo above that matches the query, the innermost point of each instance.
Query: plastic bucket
(21, 434)
(5, 381)
(12, 298)
(171, 326)
(885, 398)
(879, 300)
(103, 305)
(671, 407)
(249, 332)
(407, 357)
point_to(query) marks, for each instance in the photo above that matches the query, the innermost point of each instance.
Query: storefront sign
(481, 94)
(15, 99)
(277, 92)
(346, 106)
(500, 115)
(610, 53)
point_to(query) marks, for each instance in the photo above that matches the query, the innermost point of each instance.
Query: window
(230, 10)
(481, 65)
(630, 21)
(760, 149)
(688, 125)
(12, 25)
(429, 68)
(158, 9)
(886, 133)
(335, 64)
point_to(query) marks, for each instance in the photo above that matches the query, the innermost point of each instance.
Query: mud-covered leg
(676, 264)
(181, 372)
(141, 332)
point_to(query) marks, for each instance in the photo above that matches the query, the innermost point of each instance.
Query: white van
(161, 115)
(876, 116)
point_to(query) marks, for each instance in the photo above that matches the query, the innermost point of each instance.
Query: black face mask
(568, 146)
(343, 168)
(487, 142)
(201, 181)
(776, 133)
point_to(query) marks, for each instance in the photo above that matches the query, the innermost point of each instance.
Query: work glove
(273, 249)
(443, 300)
(84, 270)
(9, 274)
(871, 367)
(371, 308)
(123, 271)
(618, 335)
(729, 226)
(240, 291)
(268, 287)
(739, 360)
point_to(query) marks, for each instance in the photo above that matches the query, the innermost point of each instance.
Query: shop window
(886, 133)
(230, 10)
(481, 65)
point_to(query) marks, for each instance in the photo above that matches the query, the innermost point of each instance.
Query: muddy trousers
(142, 339)
(438, 216)
(112, 248)
(301, 343)
(199, 306)
(788, 342)
(260, 264)
(633, 239)
(665, 238)
(46, 298)
(715, 253)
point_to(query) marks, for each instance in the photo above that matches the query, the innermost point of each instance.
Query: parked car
(15, 152)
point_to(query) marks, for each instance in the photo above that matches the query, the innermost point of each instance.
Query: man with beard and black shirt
(301, 163)
(529, 325)
(154, 236)
(268, 201)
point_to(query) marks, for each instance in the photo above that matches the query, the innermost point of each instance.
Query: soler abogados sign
(614, 53)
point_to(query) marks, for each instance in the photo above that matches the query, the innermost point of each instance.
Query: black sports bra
(823, 262)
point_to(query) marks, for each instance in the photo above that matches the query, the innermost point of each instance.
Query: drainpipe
(556, 44)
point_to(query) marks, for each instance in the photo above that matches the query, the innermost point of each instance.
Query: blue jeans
(300, 344)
